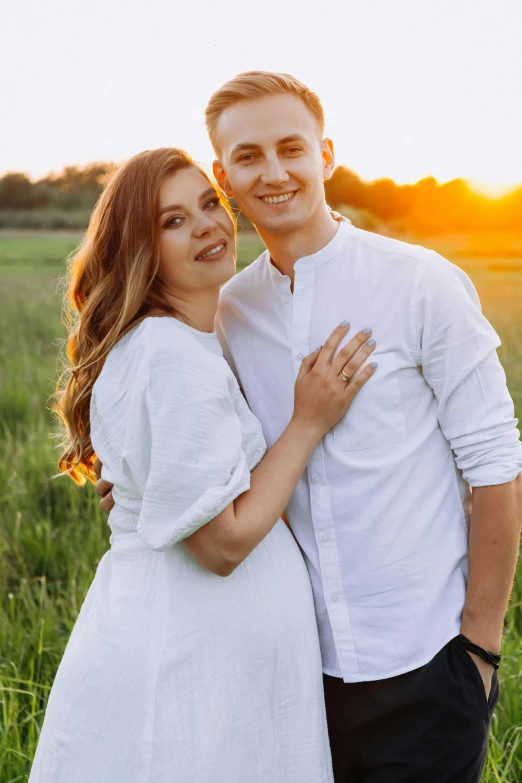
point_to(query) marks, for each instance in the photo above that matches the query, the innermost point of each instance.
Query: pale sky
(411, 88)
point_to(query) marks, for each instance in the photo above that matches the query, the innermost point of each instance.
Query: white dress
(173, 674)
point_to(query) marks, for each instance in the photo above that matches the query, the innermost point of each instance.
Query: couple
(211, 648)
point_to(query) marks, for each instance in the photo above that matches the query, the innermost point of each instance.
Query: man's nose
(274, 173)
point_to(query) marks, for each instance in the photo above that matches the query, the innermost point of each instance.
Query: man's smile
(278, 199)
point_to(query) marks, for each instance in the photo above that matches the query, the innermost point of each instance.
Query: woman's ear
(221, 178)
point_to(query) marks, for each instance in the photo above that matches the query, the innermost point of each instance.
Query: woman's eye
(212, 203)
(173, 222)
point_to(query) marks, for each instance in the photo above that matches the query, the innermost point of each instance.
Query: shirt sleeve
(459, 362)
(197, 464)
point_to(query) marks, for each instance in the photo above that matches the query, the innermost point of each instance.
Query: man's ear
(221, 178)
(328, 156)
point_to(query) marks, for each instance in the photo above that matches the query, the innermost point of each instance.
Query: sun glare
(491, 191)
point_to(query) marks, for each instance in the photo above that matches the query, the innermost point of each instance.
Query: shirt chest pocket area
(376, 416)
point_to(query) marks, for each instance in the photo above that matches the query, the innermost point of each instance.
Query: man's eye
(246, 158)
(293, 150)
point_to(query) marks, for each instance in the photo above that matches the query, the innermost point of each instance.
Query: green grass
(32, 251)
(53, 534)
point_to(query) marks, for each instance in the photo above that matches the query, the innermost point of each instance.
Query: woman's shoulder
(178, 358)
(164, 338)
(164, 356)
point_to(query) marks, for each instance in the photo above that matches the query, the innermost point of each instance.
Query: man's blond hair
(256, 84)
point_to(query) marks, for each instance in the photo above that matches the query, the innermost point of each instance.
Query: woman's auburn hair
(112, 285)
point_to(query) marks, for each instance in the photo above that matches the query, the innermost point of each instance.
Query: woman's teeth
(211, 252)
(278, 199)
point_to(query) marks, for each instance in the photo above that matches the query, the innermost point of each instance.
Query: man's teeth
(211, 252)
(277, 199)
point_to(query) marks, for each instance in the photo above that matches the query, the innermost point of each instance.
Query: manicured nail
(344, 323)
(373, 365)
(367, 330)
(371, 342)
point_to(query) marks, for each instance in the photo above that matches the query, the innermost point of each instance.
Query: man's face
(273, 160)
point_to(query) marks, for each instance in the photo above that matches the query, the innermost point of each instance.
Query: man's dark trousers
(430, 725)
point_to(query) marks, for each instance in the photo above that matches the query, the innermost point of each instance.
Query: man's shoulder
(415, 261)
(390, 247)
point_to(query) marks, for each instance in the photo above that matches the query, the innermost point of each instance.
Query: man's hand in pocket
(485, 670)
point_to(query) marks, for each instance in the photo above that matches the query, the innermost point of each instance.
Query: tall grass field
(52, 534)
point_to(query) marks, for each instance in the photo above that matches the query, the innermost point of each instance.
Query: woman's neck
(196, 309)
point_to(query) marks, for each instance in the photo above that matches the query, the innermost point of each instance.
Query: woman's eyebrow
(170, 208)
(208, 192)
(173, 207)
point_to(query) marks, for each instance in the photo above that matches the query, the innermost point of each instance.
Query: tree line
(65, 200)
(426, 207)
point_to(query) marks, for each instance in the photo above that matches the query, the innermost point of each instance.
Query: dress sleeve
(197, 465)
(459, 361)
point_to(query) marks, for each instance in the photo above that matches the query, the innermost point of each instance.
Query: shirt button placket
(301, 313)
(333, 590)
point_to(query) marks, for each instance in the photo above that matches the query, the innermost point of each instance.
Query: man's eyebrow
(173, 207)
(246, 146)
(292, 137)
(251, 146)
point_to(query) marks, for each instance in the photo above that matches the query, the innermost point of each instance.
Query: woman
(174, 673)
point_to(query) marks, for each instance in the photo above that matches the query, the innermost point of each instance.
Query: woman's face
(196, 234)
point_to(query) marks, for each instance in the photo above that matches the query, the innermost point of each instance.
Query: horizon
(486, 190)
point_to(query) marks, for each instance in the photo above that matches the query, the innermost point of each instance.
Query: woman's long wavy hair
(112, 284)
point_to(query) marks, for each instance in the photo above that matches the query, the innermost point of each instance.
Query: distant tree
(345, 187)
(76, 187)
(16, 191)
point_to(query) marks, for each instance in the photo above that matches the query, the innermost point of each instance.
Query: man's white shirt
(382, 511)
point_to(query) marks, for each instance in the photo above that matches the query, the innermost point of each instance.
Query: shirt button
(325, 537)
(334, 599)
(299, 355)
(316, 479)
(286, 299)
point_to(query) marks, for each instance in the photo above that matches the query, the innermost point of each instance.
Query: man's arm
(475, 413)
(494, 539)
(103, 488)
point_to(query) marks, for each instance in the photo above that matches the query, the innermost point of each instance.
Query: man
(402, 559)
(382, 512)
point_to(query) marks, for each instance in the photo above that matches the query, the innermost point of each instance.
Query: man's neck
(286, 249)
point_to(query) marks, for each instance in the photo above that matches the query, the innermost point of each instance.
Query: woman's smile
(214, 251)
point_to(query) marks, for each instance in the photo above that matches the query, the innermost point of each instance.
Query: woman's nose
(204, 224)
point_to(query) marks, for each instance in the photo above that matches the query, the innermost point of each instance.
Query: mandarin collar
(325, 253)
(315, 259)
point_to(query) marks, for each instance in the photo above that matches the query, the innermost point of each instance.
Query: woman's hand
(322, 393)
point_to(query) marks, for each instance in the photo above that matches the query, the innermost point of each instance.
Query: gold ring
(344, 376)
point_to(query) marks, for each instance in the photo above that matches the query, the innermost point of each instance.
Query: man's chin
(279, 224)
